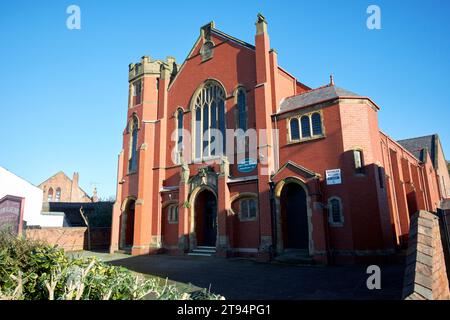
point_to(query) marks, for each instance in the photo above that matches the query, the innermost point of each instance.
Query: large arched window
(209, 110)
(132, 155)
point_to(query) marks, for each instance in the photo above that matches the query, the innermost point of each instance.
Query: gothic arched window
(133, 130)
(180, 115)
(242, 109)
(316, 124)
(306, 127)
(58, 194)
(209, 110)
(335, 214)
(50, 195)
(295, 130)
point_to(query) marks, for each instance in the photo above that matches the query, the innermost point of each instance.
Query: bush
(34, 270)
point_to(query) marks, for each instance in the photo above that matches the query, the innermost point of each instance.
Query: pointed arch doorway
(206, 218)
(127, 224)
(294, 217)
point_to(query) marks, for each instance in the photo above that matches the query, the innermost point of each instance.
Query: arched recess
(126, 222)
(192, 201)
(280, 187)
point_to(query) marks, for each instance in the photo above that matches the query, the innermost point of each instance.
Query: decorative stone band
(425, 274)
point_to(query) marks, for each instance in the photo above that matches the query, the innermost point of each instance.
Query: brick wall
(70, 239)
(73, 238)
(425, 274)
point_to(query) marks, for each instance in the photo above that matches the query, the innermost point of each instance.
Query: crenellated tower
(139, 174)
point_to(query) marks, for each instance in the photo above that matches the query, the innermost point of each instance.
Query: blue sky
(63, 93)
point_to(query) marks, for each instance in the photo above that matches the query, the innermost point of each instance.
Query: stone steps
(203, 251)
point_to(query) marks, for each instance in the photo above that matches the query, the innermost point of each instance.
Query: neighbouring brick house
(60, 188)
(321, 179)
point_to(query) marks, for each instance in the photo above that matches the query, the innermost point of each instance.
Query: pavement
(239, 279)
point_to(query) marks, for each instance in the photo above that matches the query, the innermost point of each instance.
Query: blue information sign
(246, 165)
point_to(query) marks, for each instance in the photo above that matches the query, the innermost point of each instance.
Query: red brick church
(229, 153)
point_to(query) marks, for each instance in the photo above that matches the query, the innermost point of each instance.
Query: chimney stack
(75, 180)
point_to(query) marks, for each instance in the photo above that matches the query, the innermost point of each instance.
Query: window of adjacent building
(172, 214)
(137, 91)
(58, 194)
(248, 209)
(359, 161)
(335, 211)
(209, 110)
(50, 195)
(306, 127)
(132, 158)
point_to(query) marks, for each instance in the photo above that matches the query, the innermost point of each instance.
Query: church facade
(230, 151)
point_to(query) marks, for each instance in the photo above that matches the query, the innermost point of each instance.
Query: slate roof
(98, 213)
(417, 145)
(315, 96)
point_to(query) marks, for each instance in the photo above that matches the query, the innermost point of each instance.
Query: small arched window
(359, 161)
(336, 217)
(242, 110)
(316, 124)
(295, 129)
(137, 91)
(306, 127)
(58, 194)
(132, 158)
(248, 208)
(50, 194)
(172, 214)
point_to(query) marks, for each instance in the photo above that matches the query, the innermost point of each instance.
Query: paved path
(246, 279)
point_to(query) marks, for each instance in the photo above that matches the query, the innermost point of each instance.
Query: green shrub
(34, 270)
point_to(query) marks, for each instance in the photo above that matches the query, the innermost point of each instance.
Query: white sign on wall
(333, 176)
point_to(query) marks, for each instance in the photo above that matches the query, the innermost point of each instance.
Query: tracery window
(209, 110)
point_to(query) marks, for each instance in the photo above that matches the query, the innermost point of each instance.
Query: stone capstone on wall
(425, 274)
